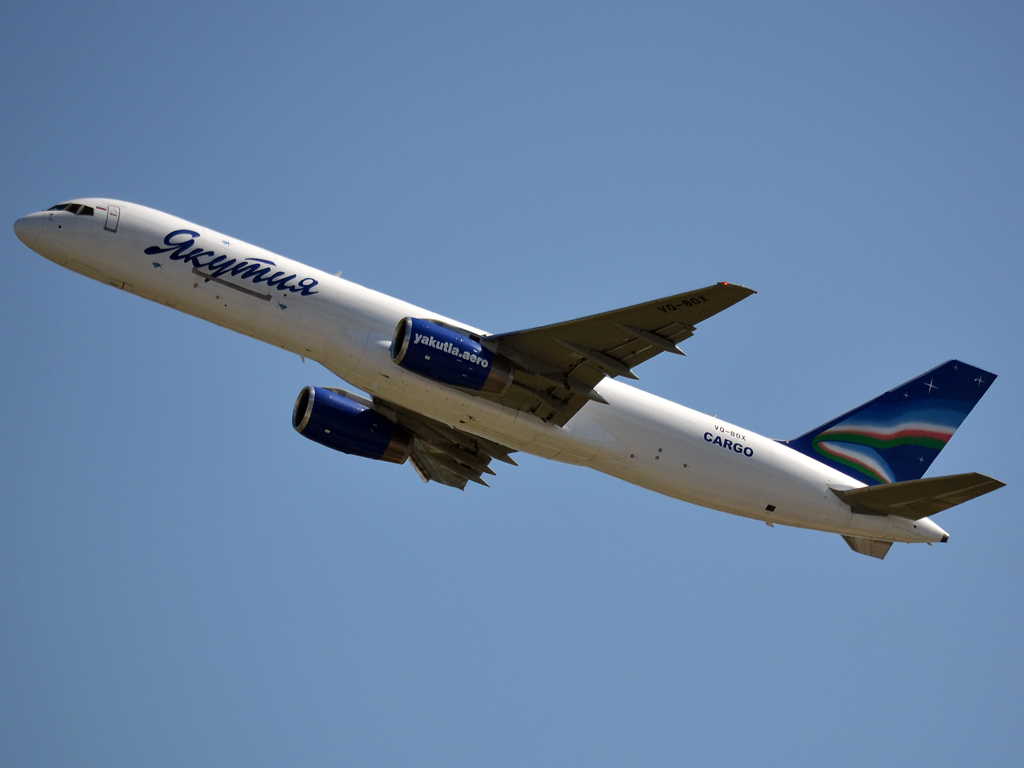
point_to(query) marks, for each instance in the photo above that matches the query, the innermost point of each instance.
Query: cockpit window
(76, 208)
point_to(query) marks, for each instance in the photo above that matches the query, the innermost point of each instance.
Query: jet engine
(450, 357)
(343, 424)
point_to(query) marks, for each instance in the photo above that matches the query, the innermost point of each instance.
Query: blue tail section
(897, 436)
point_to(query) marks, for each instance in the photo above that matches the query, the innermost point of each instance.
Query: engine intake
(448, 356)
(341, 423)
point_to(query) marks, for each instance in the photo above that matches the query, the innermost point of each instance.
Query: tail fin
(897, 436)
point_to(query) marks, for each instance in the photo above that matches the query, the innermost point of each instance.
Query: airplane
(450, 398)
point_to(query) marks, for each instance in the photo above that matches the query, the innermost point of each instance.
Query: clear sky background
(186, 581)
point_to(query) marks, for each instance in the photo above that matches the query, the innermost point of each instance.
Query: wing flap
(444, 454)
(914, 499)
(433, 463)
(440, 453)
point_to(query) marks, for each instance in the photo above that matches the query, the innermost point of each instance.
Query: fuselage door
(113, 214)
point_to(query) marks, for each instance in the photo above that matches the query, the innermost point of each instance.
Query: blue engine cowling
(448, 356)
(343, 424)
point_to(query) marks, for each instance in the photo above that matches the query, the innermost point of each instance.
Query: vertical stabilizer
(897, 436)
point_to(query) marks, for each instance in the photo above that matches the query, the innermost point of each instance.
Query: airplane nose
(27, 228)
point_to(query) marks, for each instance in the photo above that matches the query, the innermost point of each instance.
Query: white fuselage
(638, 437)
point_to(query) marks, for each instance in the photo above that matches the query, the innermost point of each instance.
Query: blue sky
(184, 580)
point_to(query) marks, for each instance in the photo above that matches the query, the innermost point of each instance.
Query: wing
(558, 366)
(440, 453)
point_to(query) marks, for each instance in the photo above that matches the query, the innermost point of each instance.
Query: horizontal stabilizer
(914, 499)
(869, 547)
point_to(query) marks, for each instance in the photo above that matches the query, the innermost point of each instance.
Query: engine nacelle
(340, 423)
(447, 356)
